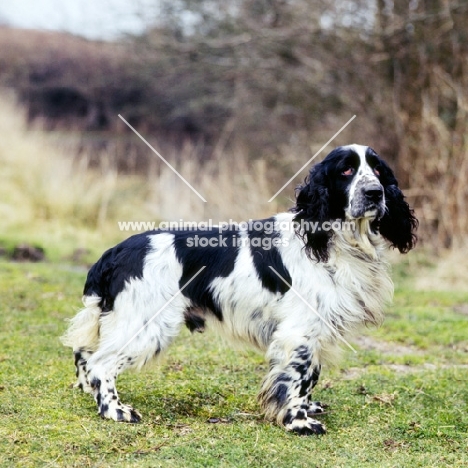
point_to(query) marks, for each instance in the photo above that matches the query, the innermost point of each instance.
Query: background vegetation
(271, 80)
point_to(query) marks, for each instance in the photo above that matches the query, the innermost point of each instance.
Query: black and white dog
(294, 286)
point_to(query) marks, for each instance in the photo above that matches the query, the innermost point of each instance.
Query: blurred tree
(266, 72)
(427, 43)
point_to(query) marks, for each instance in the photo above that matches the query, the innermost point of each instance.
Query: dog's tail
(83, 331)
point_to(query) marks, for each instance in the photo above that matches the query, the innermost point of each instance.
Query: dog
(295, 286)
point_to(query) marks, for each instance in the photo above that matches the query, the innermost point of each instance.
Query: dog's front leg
(285, 393)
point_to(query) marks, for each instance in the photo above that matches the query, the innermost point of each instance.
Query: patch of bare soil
(357, 372)
(385, 347)
(461, 309)
(394, 349)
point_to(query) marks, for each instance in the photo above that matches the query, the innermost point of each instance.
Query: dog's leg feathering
(83, 337)
(285, 393)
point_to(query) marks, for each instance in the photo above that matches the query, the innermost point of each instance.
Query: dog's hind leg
(83, 337)
(81, 359)
(128, 339)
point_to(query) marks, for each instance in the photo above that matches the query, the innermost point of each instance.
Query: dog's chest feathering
(327, 300)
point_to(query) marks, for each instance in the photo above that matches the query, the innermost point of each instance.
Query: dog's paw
(315, 408)
(83, 385)
(119, 412)
(299, 422)
(306, 426)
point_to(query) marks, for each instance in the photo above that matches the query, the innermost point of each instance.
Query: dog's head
(354, 183)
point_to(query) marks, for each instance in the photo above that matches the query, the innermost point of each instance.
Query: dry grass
(448, 273)
(51, 197)
(233, 187)
(48, 197)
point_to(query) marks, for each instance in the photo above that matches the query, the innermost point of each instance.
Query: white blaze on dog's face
(366, 193)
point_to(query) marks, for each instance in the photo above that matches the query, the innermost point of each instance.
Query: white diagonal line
(314, 310)
(313, 157)
(162, 159)
(161, 309)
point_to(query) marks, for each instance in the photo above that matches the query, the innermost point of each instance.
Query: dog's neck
(358, 239)
(359, 255)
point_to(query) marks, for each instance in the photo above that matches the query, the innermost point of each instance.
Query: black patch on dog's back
(107, 277)
(266, 254)
(218, 259)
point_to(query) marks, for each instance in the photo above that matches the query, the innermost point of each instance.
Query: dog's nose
(374, 194)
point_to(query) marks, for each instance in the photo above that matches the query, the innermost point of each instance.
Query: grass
(400, 401)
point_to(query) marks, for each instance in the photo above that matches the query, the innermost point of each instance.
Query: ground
(400, 401)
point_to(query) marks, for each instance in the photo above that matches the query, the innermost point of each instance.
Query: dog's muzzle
(368, 202)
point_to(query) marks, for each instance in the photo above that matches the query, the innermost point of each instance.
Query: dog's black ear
(398, 225)
(312, 209)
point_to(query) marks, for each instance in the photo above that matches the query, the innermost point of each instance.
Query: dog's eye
(348, 172)
(377, 171)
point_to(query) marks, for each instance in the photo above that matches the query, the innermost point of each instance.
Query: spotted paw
(119, 412)
(315, 408)
(298, 421)
(307, 426)
(83, 385)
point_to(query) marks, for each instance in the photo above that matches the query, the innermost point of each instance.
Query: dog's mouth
(375, 211)
(366, 210)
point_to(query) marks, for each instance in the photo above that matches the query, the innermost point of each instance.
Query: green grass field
(401, 401)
